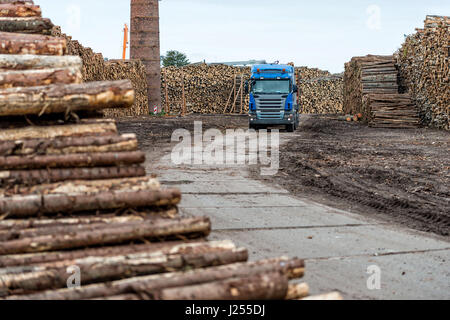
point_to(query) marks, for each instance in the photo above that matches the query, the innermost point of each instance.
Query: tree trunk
(63, 98)
(100, 269)
(47, 204)
(36, 62)
(72, 160)
(69, 145)
(34, 177)
(31, 25)
(9, 9)
(18, 43)
(154, 283)
(297, 291)
(50, 132)
(108, 235)
(22, 260)
(88, 187)
(269, 286)
(11, 79)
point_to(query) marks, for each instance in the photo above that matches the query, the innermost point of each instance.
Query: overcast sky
(321, 33)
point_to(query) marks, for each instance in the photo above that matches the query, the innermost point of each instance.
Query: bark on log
(270, 286)
(34, 205)
(29, 78)
(34, 177)
(100, 269)
(49, 132)
(63, 98)
(9, 9)
(297, 291)
(21, 260)
(69, 145)
(198, 227)
(149, 284)
(88, 187)
(17, 43)
(26, 25)
(29, 61)
(64, 229)
(72, 160)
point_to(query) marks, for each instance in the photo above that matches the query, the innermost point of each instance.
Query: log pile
(321, 95)
(371, 89)
(423, 62)
(207, 88)
(216, 89)
(95, 68)
(63, 238)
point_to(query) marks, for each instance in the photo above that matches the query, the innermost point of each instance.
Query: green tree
(174, 58)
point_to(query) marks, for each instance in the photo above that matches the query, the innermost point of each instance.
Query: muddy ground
(400, 176)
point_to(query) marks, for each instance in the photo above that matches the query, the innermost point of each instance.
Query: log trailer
(273, 97)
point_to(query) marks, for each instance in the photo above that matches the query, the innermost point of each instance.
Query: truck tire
(290, 128)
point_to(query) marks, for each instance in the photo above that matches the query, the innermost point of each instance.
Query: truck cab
(273, 97)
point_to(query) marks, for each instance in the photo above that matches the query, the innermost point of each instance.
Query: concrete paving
(338, 246)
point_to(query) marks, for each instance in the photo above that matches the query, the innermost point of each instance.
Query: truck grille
(269, 107)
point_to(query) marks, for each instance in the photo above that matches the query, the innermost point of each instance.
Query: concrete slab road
(339, 247)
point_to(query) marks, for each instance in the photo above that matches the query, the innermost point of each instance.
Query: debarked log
(29, 78)
(30, 25)
(33, 177)
(29, 61)
(18, 43)
(14, 8)
(100, 269)
(68, 130)
(198, 227)
(72, 160)
(70, 145)
(147, 287)
(47, 204)
(65, 98)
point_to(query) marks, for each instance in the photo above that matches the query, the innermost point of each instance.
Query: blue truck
(273, 97)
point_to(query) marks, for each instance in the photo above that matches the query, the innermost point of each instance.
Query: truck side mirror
(295, 88)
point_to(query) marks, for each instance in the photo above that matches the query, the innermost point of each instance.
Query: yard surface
(400, 176)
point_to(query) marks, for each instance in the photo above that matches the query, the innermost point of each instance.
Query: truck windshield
(271, 86)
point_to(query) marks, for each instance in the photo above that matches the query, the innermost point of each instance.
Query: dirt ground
(400, 176)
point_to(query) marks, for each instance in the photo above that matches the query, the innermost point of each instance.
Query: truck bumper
(254, 121)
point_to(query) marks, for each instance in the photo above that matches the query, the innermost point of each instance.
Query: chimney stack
(145, 45)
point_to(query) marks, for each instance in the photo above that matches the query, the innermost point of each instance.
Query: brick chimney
(145, 45)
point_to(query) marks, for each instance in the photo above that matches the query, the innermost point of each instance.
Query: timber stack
(207, 88)
(95, 68)
(323, 95)
(73, 212)
(423, 62)
(371, 89)
(220, 89)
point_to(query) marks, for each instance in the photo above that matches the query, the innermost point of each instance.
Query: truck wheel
(290, 128)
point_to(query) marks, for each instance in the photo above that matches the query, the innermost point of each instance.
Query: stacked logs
(371, 89)
(216, 89)
(207, 88)
(323, 95)
(95, 68)
(119, 238)
(423, 61)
